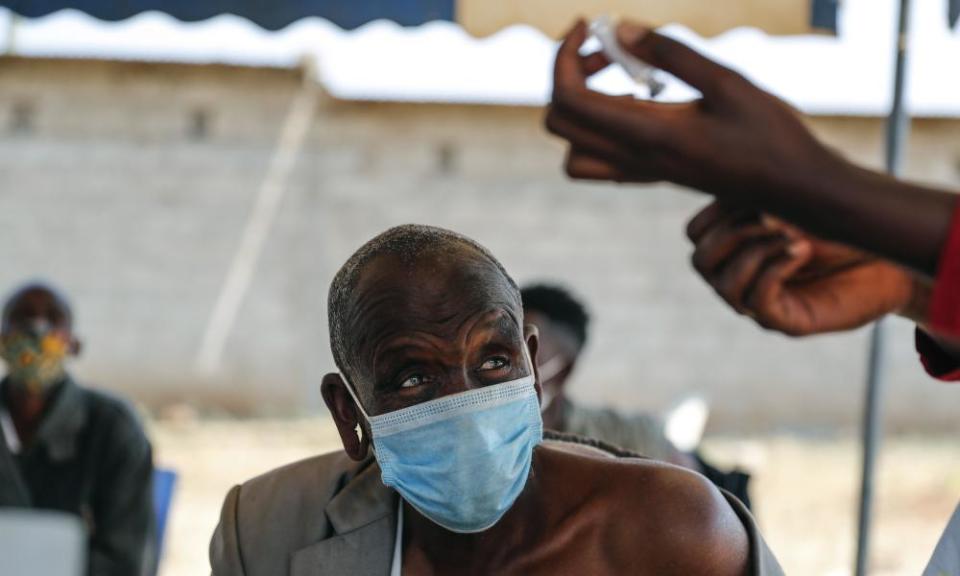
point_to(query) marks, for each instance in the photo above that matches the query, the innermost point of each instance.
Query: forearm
(902, 222)
(917, 310)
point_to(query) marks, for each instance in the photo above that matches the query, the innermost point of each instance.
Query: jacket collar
(363, 500)
(363, 516)
(62, 421)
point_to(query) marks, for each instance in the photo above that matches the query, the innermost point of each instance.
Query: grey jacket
(329, 516)
(90, 458)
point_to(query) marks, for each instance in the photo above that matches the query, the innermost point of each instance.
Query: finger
(593, 63)
(712, 79)
(710, 216)
(627, 118)
(583, 138)
(738, 275)
(583, 166)
(568, 74)
(723, 241)
(768, 289)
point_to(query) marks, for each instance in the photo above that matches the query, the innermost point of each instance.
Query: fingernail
(798, 248)
(630, 34)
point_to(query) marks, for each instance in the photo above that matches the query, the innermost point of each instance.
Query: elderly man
(438, 380)
(68, 448)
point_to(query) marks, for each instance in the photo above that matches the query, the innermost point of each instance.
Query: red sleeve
(944, 313)
(935, 360)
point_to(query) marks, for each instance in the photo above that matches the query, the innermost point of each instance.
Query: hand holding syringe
(604, 29)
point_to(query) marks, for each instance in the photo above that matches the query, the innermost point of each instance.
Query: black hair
(33, 286)
(560, 306)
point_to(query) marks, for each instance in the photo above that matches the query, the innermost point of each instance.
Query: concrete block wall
(129, 184)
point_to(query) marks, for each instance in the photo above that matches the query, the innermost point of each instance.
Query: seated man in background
(438, 380)
(562, 323)
(69, 448)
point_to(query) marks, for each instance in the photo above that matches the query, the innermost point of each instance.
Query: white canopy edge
(847, 75)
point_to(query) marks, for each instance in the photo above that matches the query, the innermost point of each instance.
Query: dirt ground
(803, 489)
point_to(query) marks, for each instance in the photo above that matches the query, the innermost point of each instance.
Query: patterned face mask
(35, 361)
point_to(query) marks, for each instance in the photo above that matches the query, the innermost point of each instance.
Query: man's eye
(413, 381)
(495, 363)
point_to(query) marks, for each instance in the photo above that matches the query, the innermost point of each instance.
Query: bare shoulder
(674, 511)
(692, 519)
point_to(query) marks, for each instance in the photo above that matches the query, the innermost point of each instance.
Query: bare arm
(699, 529)
(742, 145)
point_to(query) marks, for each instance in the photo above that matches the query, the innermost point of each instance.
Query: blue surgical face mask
(461, 460)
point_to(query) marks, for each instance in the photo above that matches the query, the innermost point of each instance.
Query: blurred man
(66, 447)
(562, 323)
(438, 376)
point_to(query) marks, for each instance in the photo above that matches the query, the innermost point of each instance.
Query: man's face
(448, 324)
(36, 338)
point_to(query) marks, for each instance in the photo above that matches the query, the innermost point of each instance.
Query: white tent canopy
(439, 62)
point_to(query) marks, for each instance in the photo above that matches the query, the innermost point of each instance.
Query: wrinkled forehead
(435, 295)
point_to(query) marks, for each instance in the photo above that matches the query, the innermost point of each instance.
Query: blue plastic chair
(164, 485)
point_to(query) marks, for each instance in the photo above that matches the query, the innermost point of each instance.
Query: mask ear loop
(552, 367)
(356, 399)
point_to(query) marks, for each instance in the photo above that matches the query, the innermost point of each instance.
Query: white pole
(264, 211)
(898, 128)
(11, 45)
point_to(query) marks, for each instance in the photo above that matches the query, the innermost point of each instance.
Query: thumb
(707, 76)
(770, 283)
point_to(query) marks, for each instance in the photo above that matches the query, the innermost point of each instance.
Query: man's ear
(532, 336)
(346, 416)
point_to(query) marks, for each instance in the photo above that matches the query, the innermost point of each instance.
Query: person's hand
(789, 281)
(736, 142)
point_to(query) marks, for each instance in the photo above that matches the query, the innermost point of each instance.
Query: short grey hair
(408, 243)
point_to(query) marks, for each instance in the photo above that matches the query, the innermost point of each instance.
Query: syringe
(604, 29)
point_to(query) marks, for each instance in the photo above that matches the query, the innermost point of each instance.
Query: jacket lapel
(63, 422)
(364, 520)
(13, 487)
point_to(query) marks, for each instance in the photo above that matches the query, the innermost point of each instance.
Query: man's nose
(462, 380)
